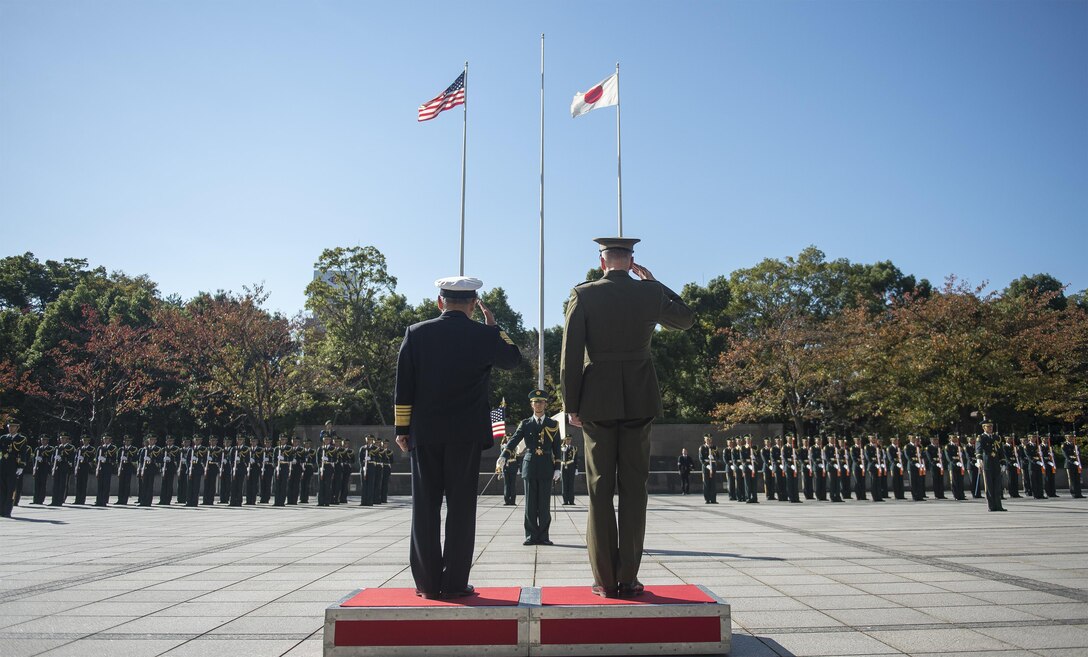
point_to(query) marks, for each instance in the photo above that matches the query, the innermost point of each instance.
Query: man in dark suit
(610, 389)
(443, 418)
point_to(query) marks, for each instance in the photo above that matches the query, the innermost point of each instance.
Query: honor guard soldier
(268, 470)
(972, 467)
(239, 470)
(105, 460)
(183, 470)
(11, 465)
(509, 467)
(198, 468)
(294, 481)
(281, 460)
(990, 451)
(85, 464)
(226, 471)
(171, 455)
(766, 468)
(150, 464)
(708, 459)
(254, 470)
(1025, 465)
(326, 459)
(857, 469)
(792, 470)
(935, 464)
(818, 461)
(846, 488)
(347, 469)
(1051, 471)
(26, 450)
(370, 468)
(1014, 467)
(569, 458)
(873, 457)
(443, 419)
(897, 468)
(128, 461)
(730, 469)
(364, 484)
(43, 465)
(748, 459)
(387, 469)
(684, 465)
(1073, 465)
(834, 469)
(64, 459)
(1036, 467)
(779, 471)
(309, 467)
(541, 466)
(957, 466)
(916, 463)
(808, 471)
(213, 469)
(738, 462)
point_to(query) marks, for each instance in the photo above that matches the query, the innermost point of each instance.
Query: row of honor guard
(838, 468)
(234, 473)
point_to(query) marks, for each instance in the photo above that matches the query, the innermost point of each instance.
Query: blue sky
(217, 144)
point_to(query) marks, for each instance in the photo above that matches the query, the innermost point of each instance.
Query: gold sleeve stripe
(506, 338)
(403, 413)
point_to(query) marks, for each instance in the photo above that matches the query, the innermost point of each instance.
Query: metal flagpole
(540, 329)
(619, 156)
(464, 144)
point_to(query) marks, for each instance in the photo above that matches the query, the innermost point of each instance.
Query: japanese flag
(604, 94)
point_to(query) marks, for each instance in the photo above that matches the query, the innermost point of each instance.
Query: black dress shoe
(545, 542)
(604, 591)
(529, 541)
(630, 589)
(428, 596)
(464, 593)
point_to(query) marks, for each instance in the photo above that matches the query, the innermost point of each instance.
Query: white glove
(500, 463)
(101, 459)
(166, 459)
(576, 472)
(19, 472)
(556, 475)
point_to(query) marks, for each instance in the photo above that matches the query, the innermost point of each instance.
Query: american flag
(453, 96)
(498, 421)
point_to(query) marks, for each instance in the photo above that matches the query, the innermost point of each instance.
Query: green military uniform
(608, 381)
(540, 466)
(569, 458)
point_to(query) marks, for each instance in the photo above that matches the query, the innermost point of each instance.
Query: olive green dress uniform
(568, 455)
(608, 379)
(538, 467)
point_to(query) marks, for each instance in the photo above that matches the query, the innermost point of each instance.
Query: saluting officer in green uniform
(610, 389)
(539, 467)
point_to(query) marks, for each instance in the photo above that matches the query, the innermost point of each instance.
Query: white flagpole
(619, 156)
(464, 144)
(540, 330)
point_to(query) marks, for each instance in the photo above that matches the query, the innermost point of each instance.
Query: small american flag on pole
(498, 421)
(453, 96)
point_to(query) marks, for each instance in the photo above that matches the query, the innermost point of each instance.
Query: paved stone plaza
(813, 579)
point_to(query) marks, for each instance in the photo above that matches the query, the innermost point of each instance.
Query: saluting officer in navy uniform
(569, 458)
(989, 449)
(443, 418)
(11, 465)
(1073, 465)
(84, 467)
(708, 459)
(540, 466)
(105, 462)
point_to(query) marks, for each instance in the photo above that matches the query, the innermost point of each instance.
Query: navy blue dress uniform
(808, 471)
(443, 417)
(84, 466)
(935, 465)
(738, 462)
(748, 463)
(1073, 465)
(213, 468)
(150, 465)
(12, 463)
(541, 466)
(990, 450)
(509, 468)
(294, 480)
(957, 467)
(171, 458)
(972, 467)
(226, 471)
(779, 472)
(897, 469)
(326, 473)
(791, 469)
(64, 460)
(708, 459)
(105, 464)
(568, 456)
(875, 469)
(1013, 466)
(917, 464)
(766, 466)
(198, 468)
(1035, 467)
(835, 470)
(128, 462)
(857, 469)
(1050, 473)
(818, 461)
(730, 469)
(43, 465)
(684, 465)
(183, 470)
